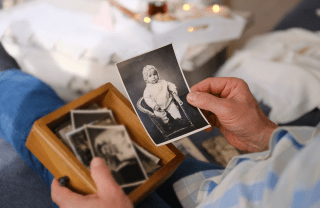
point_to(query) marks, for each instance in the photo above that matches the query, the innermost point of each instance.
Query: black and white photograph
(152, 157)
(80, 146)
(96, 117)
(157, 89)
(149, 162)
(61, 131)
(112, 143)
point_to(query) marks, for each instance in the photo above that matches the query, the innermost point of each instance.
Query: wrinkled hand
(229, 105)
(109, 193)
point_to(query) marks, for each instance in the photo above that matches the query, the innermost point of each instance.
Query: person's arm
(109, 193)
(172, 87)
(229, 105)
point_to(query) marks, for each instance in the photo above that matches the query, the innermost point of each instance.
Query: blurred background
(73, 45)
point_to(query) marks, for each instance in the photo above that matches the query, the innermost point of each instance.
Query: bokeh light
(186, 7)
(147, 20)
(216, 8)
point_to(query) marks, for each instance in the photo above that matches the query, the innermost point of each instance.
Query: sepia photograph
(112, 143)
(95, 117)
(79, 144)
(157, 90)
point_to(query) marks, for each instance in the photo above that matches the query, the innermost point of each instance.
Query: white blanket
(282, 69)
(60, 42)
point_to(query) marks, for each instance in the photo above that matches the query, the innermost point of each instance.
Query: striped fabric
(187, 189)
(287, 175)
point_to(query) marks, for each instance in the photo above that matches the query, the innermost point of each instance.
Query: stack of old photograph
(94, 132)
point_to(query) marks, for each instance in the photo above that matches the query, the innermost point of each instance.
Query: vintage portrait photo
(112, 143)
(157, 89)
(95, 117)
(80, 146)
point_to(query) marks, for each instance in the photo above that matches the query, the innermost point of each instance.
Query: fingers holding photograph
(113, 144)
(157, 89)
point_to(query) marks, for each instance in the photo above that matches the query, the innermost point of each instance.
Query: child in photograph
(115, 147)
(116, 151)
(159, 95)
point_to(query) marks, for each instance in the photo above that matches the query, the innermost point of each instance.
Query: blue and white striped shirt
(287, 175)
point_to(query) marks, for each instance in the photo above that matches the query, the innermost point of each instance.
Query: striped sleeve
(287, 175)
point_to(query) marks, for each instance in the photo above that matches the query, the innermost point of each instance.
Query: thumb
(102, 176)
(205, 101)
(63, 196)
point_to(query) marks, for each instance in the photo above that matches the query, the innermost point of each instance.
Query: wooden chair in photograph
(143, 107)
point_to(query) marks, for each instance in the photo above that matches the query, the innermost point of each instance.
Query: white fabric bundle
(282, 69)
(61, 43)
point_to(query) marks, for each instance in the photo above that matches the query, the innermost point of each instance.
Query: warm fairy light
(137, 16)
(186, 7)
(216, 8)
(190, 29)
(147, 20)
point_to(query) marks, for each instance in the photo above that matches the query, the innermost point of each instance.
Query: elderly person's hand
(109, 193)
(229, 105)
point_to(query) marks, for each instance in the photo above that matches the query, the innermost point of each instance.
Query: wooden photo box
(60, 161)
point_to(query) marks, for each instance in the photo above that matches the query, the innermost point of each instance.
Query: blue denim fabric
(23, 100)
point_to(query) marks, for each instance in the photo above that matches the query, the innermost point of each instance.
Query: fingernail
(63, 181)
(192, 96)
(97, 162)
